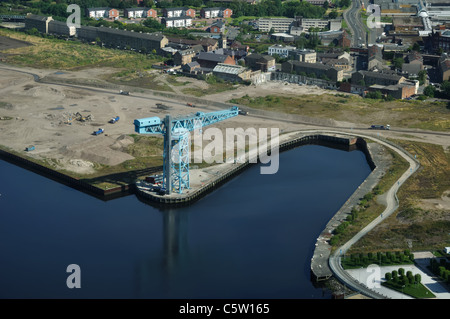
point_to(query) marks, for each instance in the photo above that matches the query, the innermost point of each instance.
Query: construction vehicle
(99, 131)
(381, 127)
(114, 120)
(82, 118)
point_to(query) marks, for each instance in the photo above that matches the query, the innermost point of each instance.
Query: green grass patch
(418, 291)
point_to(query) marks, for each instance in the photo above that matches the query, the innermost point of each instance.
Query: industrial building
(232, 73)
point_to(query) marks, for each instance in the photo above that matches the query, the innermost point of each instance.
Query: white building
(277, 24)
(177, 22)
(280, 50)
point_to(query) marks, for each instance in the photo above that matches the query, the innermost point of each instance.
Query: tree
(333, 14)
(422, 76)
(445, 88)
(388, 276)
(429, 91)
(401, 272)
(417, 278)
(398, 62)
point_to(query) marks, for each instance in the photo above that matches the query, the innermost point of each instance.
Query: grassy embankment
(427, 115)
(414, 225)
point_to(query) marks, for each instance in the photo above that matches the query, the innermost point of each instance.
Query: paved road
(352, 17)
(391, 206)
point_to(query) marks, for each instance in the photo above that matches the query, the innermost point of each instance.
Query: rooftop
(229, 69)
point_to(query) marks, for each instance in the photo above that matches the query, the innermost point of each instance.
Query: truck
(381, 127)
(190, 104)
(114, 120)
(242, 112)
(124, 92)
(98, 132)
(30, 148)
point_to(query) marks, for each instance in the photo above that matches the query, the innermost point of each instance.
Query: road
(353, 19)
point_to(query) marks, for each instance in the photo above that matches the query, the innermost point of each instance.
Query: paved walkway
(428, 280)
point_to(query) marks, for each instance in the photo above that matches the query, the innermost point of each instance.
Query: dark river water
(251, 238)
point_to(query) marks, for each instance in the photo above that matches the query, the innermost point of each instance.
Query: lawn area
(418, 291)
(398, 113)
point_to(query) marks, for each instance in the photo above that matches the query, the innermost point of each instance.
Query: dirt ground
(43, 115)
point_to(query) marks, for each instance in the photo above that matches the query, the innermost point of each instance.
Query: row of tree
(399, 277)
(441, 268)
(379, 258)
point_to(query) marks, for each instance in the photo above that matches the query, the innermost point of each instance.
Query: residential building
(303, 55)
(87, 33)
(262, 62)
(208, 44)
(340, 64)
(40, 23)
(236, 54)
(177, 22)
(333, 54)
(178, 12)
(61, 28)
(316, 2)
(191, 67)
(301, 24)
(209, 60)
(319, 70)
(444, 68)
(275, 24)
(103, 12)
(236, 45)
(136, 13)
(344, 40)
(217, 12)
(117, 38)
(369, 78)
(217, 27)
(183, 57)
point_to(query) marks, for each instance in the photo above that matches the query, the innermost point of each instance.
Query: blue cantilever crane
(176, 142)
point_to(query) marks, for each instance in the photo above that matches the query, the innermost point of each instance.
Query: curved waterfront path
(392, 204)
